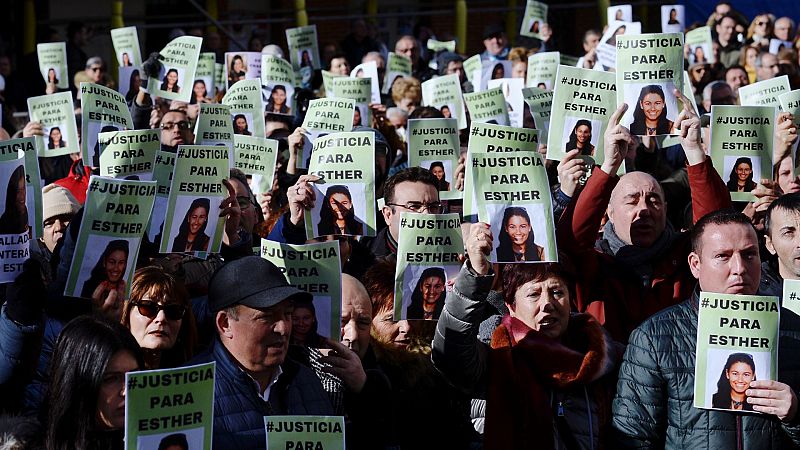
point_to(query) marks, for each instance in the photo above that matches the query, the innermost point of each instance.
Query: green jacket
(655, 392)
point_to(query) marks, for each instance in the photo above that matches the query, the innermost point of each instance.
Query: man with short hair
(784, 29)
(729, 46)
(339, 65)
(380, 63)
(253, 304)
(736, 77)
(782, 239)
(408, 46)
(638, 267)
(175, 130)
(495, 43)
(766, 66)
(717, 93)
(653, 407)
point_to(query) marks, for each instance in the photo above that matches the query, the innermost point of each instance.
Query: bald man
(639, 266)
(408, 46)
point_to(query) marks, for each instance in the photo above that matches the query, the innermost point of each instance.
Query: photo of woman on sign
(516, 239)
(15, 215)
(741, 176)
(337, 215)
(107, 275)
(581, 138)
(170, 82)
(192, 233)
(650, 115)
(739, 371)
(427, 300)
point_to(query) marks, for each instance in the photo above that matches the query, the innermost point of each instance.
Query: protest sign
(540, 105)
(434, 144)
(607, 48)
(126, 46)
(622, 13)
(791, 295)
(219, 77)
(325, 116)
(131, 81)
(301, 432)
(472, 66)
(428, 248)
(515, 201)
(492, 70)
(737, 342)
(26, 148)
(327, 81)
(764, 93)
(542, 69)
(512, 93)
(103, 110)
(115, 215)
(163, 169)
(56, 113)
(674, 139)
(178, 67)
(673, 18)
(369, 70)
(439, 46)
(649, 69)
(304, 52)
(700, 46)
(170, 408)
(488, 106)
(242, 66)
(360, 91)
(345, 204)
(247, 107)
(535, 16)
(790, 102)
(397, 66)
(741, 146)
(583, 101)
(204, 77)
(53, 63)
(256, 156)
(18, 207)
(130, 154)
(444, 94)
(193, 223)
(214, 126)
(277, 84)
(316, 269)
(489, 138)
(568, 60)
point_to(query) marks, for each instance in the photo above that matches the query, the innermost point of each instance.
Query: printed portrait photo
(581, 134)
(342, 210)
(237, 67)
(620, 12)
(306, 57)
(242, 123)
(494, 70)
(311, 321)
(512, 92)
(520, 233)
(55, 136)
(700, 54)
(742, 172)
(360, 115)
(424, 291)
(672, 18)
(535, 25)
(653, 108)
(729, 374)
(172, 80)
(53, 75)
(448, 110)
(125, 57)
(130, 81)
(191, 439)
(108, 264)
(442, 170)
(194, 222)
(278, 98)
(14, 218)
(201, 90)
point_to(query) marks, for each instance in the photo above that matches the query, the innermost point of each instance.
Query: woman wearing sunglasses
(159, 316)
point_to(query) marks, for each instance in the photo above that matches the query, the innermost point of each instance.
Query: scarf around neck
(638, 259)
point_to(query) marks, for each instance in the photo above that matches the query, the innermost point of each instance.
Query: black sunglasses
(172, 311)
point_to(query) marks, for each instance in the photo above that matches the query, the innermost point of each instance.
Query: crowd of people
(595, 351)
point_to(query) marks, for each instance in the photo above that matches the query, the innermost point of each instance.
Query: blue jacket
(239, 410)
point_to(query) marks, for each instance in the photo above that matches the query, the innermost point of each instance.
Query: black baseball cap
(494, 29)
(251, 281)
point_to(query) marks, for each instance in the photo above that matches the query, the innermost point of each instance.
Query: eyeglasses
(433, 207)
(172, 311)
(761, 23)
(182, 125)
(96, 69)
(244, 202)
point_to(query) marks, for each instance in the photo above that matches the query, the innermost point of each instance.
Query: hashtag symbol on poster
(474, 131)
(719, 119)
(403, 223)
(619, 44)
(474, 162)
(94, 186)
(792, 296)
(564, 80)
(131, 384)
(705, 303)
(270, 427)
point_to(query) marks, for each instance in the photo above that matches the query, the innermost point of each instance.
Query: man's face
(736, 78)
(769, 67)
(637, 209)
(725, 30)
(495, 44)
(249, 217)
(722, 95)
(54, 228)
(356, 316)
(783, 30)
(95, 72)
(456, 67)
(408, 48)
(590, 42)
(784, 240)
(407, 191)
(257, 338)
(171, 133)
(727, 261)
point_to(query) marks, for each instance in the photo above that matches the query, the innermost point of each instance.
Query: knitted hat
(57, 201)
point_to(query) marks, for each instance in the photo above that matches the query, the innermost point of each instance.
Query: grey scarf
(637, 259)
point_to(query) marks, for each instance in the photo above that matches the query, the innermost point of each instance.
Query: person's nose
(737, 264)
(404, 326)
(283, 326)
(58, 226)
(349, 332)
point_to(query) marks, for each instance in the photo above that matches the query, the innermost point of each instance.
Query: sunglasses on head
(172, 311)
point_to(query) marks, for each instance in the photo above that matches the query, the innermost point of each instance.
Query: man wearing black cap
(253, 304)
(495, 42)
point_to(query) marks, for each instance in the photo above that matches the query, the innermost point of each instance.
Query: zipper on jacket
(739, 444)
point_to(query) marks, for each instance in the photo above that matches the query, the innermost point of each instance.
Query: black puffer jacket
(655, 393)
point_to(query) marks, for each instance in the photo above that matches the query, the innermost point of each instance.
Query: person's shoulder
(666, 320)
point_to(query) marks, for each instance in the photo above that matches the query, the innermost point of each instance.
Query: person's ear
(768, 243)
(694, 264)
(387, 215)
(222, 322)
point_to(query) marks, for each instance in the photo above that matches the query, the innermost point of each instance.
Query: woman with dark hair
(337, 215)
(741, 177)
(51, 76)
(581, 138)
(650, 115)
(107, 275)
(613, 39)
(126, 60)
(85, 401)
(739, 371)
(699, 55)
(240, 125)
(427, 300)
(237, 70)
(673, 17)
(15, 215)
(277, 100)
(199, 93)
(516, 243)
(305, 59)
(55, 139)
(192, 233)
(446, 112)
(498, 71)
(437, 169)
(134, 85)
(158, 314)
(176, 441)
(356, 116)
(304, 326)
(170, 83)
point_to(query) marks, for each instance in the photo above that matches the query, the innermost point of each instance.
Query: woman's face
(438, 172)
(740, 375)
(583, 134)
(356, 117)
(432, 288)
(543, 306)
(172, 78)
(750, 58)
(340, 205)
(199, 90)
(111, 398)
(197, 218)
(519, 69)
(673, 14)
(653, 105)
(241, 124)
(278, 96)
(126, 60)
(391, 331)
(519, 229)
(743, 171)
(498, 72)
(156, 333)
(51, 75)
(762, 25)
(238, 65)
(302, 321)
(699, 55)
(114, 265)
(55, 135)
(21, 194)
(446, 113)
